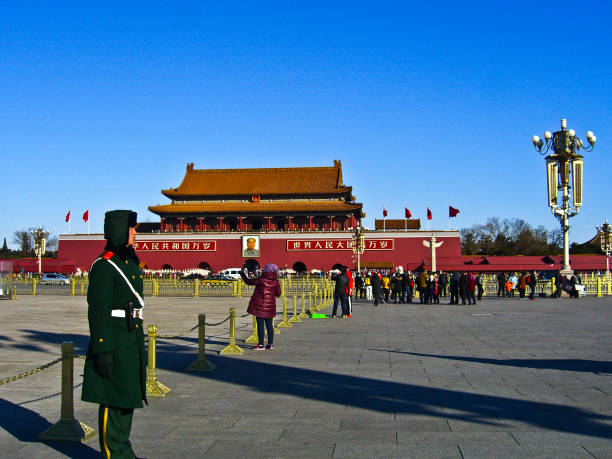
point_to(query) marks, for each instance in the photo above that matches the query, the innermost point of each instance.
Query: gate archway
(299, 267)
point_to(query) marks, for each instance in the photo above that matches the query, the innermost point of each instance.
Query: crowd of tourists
(461, 287)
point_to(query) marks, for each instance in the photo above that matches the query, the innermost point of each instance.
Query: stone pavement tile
(485, 450)
(384, 411)
(406, 425)
(356, 436)
(478, 425)
(185, 426)
(425, 439)
(265, 449)
(384, 450)
(599, 451)
(536, 438)
(185, 448)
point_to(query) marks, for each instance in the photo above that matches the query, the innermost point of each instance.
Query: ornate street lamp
(358, 245)
(40, 245)
(606, 243)
(565, 161)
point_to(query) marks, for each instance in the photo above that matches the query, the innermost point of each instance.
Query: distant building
(280, 199)
(301, 218)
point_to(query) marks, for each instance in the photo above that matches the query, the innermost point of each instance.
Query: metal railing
(594, 286)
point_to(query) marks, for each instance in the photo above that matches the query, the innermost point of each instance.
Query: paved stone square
(504, 378)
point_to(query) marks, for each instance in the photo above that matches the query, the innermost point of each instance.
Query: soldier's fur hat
(117, 224)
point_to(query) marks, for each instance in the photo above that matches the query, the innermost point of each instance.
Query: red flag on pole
(407, 212)
(384, 212)
(452, 212)
(86, 215)
(429, 216)
(68, 216)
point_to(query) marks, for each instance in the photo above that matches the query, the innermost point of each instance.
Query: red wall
(408, 251)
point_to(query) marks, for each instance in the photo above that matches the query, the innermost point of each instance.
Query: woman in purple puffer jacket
(263, 302)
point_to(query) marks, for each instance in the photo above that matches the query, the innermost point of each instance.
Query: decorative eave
(261, 208)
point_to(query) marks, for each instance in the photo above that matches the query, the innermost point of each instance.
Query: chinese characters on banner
(175, 246)
(337, 244)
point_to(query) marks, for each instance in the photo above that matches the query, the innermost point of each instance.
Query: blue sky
(425, 103)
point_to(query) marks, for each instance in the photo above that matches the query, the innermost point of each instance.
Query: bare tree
(24, 240)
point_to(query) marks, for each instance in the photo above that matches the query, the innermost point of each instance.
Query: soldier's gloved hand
(103, 364)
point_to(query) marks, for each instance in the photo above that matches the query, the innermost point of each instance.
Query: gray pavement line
(46, 397)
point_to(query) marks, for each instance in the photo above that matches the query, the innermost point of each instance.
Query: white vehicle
(234, 273)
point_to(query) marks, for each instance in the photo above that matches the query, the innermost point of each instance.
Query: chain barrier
(186, 332)
(27, 373)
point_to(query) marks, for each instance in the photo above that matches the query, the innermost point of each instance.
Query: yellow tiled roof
(260, 182)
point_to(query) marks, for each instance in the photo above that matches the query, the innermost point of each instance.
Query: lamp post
(358, 245)
(40, 245)
(606, 244)
(563, 162)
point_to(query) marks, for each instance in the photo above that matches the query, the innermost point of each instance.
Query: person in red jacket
(349, 295)
(263, 302)
(471, 287)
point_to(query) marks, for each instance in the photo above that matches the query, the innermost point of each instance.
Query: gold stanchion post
(253, 337)
(154, 387)
(201, 364)
(196, 288)
(295, 319)
(599, 294)
(14, 295)
(67, 428)
(232, 347)
(303, 314)
(34, 286)
(284, 323)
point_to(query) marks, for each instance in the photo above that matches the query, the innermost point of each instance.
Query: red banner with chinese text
(337, 244)
(175, 246)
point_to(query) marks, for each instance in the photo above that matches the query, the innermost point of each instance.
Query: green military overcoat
(108, 290)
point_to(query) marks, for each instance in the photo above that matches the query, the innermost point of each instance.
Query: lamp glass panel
(551, 175)
(577, 182)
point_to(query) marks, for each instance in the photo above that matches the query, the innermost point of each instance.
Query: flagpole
(405, 219)
(88, 224)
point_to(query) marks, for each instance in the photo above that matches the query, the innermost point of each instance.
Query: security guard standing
(115, 365)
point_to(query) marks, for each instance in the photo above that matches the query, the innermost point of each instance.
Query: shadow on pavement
(588, 366)
(393, 397)
(25, 425)
(368, 393)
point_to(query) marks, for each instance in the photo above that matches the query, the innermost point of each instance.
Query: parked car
(54, 278)
(220, 277)
(233, 273)
(194, 276)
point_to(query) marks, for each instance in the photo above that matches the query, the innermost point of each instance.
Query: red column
(269, 223)
(161, 224)
(290, 223)
(220, 223)
(181, 224)
(331, 222)
(310, 223)
(201, 229)
(241, 227)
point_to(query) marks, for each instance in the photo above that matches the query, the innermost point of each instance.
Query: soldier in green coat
(115, 365)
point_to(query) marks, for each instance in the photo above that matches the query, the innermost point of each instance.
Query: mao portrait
(250, 246)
